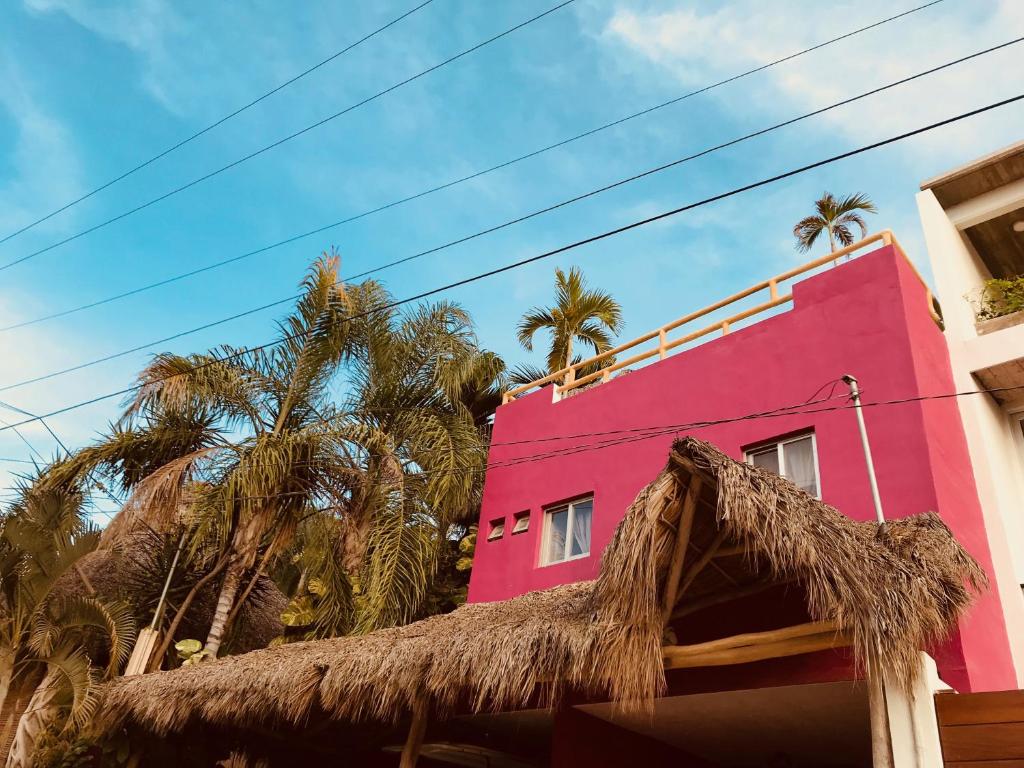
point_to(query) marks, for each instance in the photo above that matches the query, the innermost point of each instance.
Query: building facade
(566, 463)
(973, 221)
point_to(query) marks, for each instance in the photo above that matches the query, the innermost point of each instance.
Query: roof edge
(974, 165)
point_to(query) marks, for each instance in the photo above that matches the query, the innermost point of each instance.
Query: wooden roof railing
(566, 379)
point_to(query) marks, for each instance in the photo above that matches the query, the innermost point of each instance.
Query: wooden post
(675, 568)
(142, 652)
(662, 352)
(881, 747)
(417, 730)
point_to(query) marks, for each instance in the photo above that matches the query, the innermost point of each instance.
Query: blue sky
(89, 89)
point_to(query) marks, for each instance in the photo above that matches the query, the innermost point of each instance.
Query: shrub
(1001, 297)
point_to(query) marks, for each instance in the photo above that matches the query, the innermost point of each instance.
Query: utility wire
(547, 254)
(497, 227)
(98, 485)
(460, 180)
(46, 426)
(214, 124)
(282, 140)
(637, 434)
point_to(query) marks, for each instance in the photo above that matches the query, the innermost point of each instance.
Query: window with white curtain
(567, 531)
(795, 459)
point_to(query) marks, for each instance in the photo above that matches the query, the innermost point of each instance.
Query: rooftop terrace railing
(568, 375)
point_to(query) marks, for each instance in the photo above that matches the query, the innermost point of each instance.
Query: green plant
(833, 218)
(50, 632)
(354, 439)
(1001, 297)
(190, 651)
(580, 314)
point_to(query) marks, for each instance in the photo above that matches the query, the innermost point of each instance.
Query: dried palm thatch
(894, 592)
(134, 572)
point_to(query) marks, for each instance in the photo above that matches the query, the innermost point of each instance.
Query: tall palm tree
(834, 217)
(590, 317)
(271, 460)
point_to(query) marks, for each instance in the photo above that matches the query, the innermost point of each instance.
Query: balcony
(703, 324)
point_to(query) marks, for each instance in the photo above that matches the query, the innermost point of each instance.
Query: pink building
(738, 622)
(564, 466)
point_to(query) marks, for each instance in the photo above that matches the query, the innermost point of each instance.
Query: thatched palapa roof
(893, 592)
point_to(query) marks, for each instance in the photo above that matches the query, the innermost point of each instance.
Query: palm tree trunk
(157, 658)
(354, 544)
(244, 548)
(41, 711)
(570, 377)
(225, 602)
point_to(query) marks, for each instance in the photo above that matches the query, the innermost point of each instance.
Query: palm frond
(401, 559)
(533, 321)
(69, 668)
(834, 216)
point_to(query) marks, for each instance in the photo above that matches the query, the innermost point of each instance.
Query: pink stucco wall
(867, 317)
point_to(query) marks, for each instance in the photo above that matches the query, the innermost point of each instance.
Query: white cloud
(44, 164)
(144, 26)
(698, 46)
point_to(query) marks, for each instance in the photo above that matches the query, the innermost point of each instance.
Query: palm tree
(834, 217)
(419, 388)
(272, 465)
(48, 634)
(591, 317)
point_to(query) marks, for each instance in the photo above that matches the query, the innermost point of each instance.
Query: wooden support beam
(682, 657)
(724, 597)
(694, 570)
(757, 638)
(417, 730)
(675, 568)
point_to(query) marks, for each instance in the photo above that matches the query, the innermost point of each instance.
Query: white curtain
(582, 514)
(799, 459)
(556, 536)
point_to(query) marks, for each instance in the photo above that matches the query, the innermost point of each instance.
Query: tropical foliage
(835, 218)
(1001, 297)
(337, 470)
(55, 643)
(337, 459)
(579, 315)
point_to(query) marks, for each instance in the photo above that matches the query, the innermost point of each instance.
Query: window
(497, 529)
(795, 459)
(567, 531)
(521, 522)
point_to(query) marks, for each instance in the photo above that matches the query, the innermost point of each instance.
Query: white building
(973, 220)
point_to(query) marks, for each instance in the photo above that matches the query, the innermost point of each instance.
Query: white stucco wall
(998, 468)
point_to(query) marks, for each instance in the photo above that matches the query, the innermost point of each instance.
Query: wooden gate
(981, 730)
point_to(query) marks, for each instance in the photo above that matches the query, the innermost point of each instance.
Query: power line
(637, 434)
(46, 426)
(503, 225)
(547, 254)
(215, 124)
(283, 140)
(106, 492)
(460, 180)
